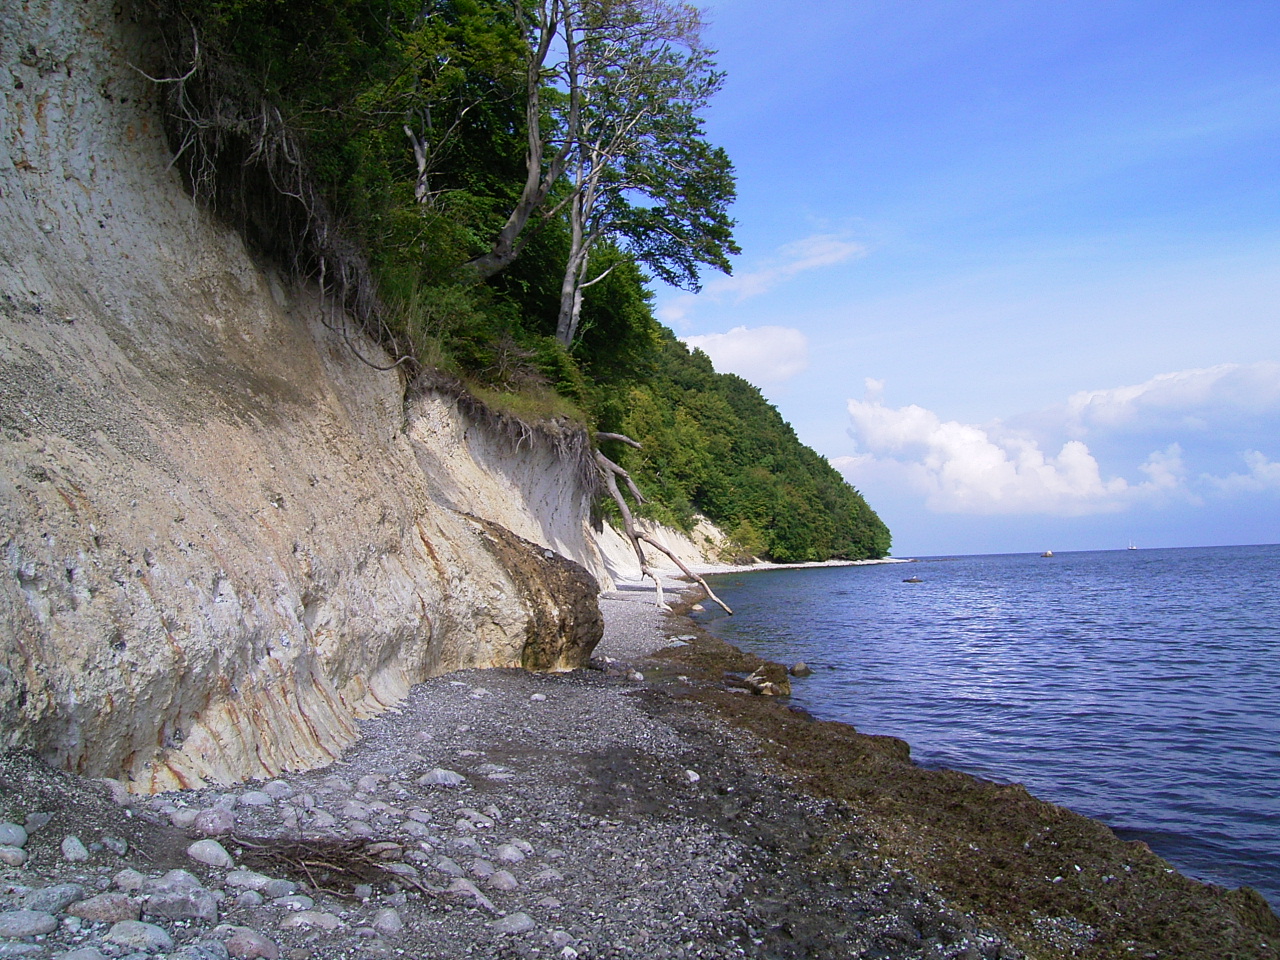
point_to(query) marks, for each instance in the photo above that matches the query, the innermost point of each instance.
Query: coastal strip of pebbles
(491, 814)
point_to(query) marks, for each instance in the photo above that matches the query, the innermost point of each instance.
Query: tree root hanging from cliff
(610, 472)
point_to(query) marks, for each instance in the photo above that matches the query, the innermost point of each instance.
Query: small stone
(106, 908)
(278, 888)
(551, 903)
(467, 845)
(323, 820)
(482, 868)
(12, 835)
(129, 880)
(368, 783)
(26, 923)
(538, 698)
(246, 944)
(37, 821)
(548, 877)
(74, 850)
(692, 776)
(140, 936)
(116, 845)
(800, 669)
(358, 828)
(247, 880)
(250, 898)
(387, 922)
(53, 898)
(464, 887)
(514, 924)
(502, 880)
(312, 919)
(561, 938)
(210, 852)
(84, 953)
(510, 853)
(254, 798)
(439, 777)
(294, 902)
(415, 829)
(12, 856)
(400, 869)
(183, 817)
(214, 822)
(449, 868)
(278, 790)
(362, 891)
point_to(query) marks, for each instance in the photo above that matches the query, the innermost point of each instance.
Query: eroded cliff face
(219, 544)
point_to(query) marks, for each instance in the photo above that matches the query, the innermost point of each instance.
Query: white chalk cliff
(224, 538)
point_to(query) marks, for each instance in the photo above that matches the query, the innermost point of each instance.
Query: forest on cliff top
(488, 186)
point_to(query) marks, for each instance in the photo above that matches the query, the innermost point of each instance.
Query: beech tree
(616, 144)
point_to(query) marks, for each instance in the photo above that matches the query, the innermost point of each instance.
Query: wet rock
(26, 923)
(140, 936)
(801, 669)
(106, 908)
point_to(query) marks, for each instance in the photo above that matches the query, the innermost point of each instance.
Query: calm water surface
(1139, 687)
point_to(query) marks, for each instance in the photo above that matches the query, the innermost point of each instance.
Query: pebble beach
(648, 807)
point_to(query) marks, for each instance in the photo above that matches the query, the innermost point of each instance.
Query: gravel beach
(648, 807)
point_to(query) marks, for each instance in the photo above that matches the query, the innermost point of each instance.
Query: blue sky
(1013, 267)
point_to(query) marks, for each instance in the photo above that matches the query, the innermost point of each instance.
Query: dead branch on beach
(610, 472)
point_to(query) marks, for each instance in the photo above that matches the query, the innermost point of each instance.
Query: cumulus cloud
(811, 253)
(1186, 399)
(759, 354)
(1264, 474)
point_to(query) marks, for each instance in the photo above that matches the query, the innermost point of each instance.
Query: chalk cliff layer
(224, 537)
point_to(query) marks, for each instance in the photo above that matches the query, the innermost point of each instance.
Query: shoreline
(645, 808)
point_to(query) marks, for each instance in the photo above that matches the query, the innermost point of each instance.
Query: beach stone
(106, 908)
(439, 777)
(464, 887)
(129, 880)
(514, 924)
(210, 852)
(201, 950)
(140, 936)
(15, 948)
(74, 850)
(12, 856)
(26, 923)
(37, 821)
(53, 898)
(502, 880)
(244, 943)
(801, 669)
(12, 835)
(214, 822)
(179, 896)
(278, 888)
(449, 867)
(510, 853)
(312, 919)
(387, 922)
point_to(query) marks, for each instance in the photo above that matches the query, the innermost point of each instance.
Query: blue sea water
(1139, 687)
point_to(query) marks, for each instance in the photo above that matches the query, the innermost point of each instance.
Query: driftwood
(610, 472)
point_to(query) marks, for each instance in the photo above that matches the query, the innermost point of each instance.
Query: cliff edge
(225, 538)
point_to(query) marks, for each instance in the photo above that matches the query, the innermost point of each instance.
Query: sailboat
(1131, 545)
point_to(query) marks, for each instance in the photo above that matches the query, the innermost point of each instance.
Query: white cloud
(1186, 399)
(1264, 474)
(759, 354)
(811, 253)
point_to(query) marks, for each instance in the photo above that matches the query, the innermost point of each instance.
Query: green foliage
(298, 112)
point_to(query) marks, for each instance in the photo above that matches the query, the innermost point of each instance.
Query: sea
(1138, 687)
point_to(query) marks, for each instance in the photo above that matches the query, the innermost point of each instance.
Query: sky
(1013, 268)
